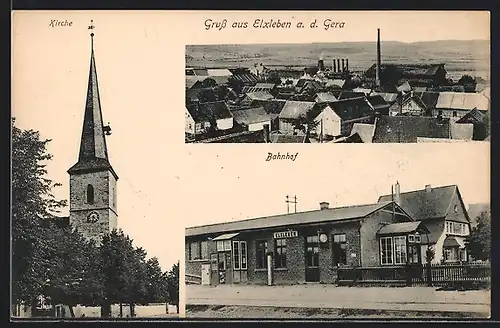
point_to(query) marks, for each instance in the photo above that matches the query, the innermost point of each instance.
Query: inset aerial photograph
(378, 91)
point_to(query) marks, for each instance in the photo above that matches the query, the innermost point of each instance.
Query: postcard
(121, 212)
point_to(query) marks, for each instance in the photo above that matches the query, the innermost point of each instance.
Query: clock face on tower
(93, 217)
(323, 238)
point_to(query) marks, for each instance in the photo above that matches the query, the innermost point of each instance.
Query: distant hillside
(460, 57)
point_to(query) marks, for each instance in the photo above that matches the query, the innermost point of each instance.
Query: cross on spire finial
(91, 27)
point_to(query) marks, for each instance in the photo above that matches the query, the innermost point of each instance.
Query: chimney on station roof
(324, 205)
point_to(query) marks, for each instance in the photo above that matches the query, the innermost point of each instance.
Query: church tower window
(90, 194)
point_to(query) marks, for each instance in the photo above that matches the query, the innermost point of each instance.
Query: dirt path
(332, 297)
(261, 312)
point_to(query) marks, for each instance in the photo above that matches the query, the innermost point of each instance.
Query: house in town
(201, 117)
(429, 98)
(260, 87)
(213, 72)
(392, 99)
(288, 75)
(349, 95)
(328, 123)
(443, 212)
(324, 97)
(302, 247)
(404, 88)
(258, 69)
(353, 138)
(360, 133)
(418, 103)
(414, 106)
(337, 118)
(425, 75)
(285, 93)
(194, 82)
(478, 120)
(407, 129)
(196, 71)
(454, 105)
(243, 76)
(254, 118)
(293, 111)
(202, 94)
(273, 107)
(250, 97)
(378, 104)
(335, 83)
(308, 85)
(365, 91)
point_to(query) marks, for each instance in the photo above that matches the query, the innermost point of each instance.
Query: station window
(386, 250)
(280, 253)
(339, 249)
(400, 250)
(198, 250)
(223, 245)
(260, 254)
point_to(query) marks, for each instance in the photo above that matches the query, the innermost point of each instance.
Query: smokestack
(347, 64)
(338, 65)
(266, 133)
(343, 65)
(334, 69)
(321, 65)
(428, 188)
(397, 193)
(324, 205)
(377, 78)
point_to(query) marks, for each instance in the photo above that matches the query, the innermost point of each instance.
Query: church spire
(93, 153)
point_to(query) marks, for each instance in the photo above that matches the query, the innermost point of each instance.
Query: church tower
(92, 183)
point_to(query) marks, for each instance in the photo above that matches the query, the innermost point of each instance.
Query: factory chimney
(343, 65)
(334, 66)
(347, 64)
(321, 65)
(338, 65)
(377, 78)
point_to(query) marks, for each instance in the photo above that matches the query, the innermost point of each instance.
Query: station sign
(286, 234)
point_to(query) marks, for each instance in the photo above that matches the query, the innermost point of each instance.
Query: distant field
(460, 57)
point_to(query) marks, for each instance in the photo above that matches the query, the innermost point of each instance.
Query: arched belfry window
(90, 194)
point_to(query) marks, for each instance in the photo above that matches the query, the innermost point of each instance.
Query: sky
(244, 185)
(165, 185)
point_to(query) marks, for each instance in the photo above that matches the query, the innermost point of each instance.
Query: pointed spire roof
(93, 154)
